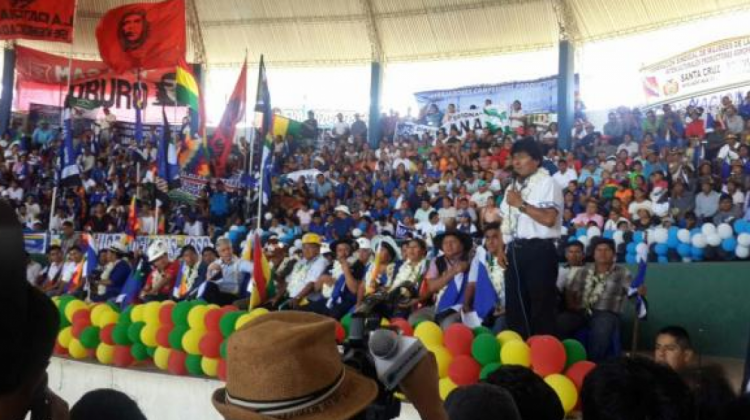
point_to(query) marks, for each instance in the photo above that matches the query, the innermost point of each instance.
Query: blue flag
(70, 174)
(641, 305)
(138, 105)
(132, 287)
(486, 297)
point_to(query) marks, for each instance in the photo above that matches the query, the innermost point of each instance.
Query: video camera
(382, 354)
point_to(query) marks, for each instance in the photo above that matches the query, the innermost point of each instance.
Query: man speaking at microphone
(531, 220)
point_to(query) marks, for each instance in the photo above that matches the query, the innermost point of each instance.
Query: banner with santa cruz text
(42, 20)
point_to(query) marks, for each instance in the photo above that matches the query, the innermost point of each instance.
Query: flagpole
(137, 144)
(262, 166)
(249, 161)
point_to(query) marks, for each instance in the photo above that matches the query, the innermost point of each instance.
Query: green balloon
(487, 370)
(485, 349)
(175, 337)
(151, 351)
(574, 352)
(114, 306)
(228, 320)
(134, 331)
(180, 312)
(64, 323)
(223, 349)
(193, 364)
(120, 335)
(482, 330)
(138, 351)
(124, 318)
(346, 321)
(90, 337)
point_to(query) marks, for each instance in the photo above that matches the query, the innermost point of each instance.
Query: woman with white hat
(114, 275)
(381, 272)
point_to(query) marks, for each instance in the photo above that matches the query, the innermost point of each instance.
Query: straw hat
(286, 365)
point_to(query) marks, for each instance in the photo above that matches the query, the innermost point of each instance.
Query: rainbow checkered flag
(641, 305)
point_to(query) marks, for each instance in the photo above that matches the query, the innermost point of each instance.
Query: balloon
(429, 333)
(713, 239)
(565, 389)
(444, 358)
(574, 352)
(138, 351)
(175, 337)
(262, 311)
(464, 370)
(193, 364)
(729, 244)
(242, 320)
(148, 334)
(641, 248)
(105, 334)
(229, 308)
(638, 236)
(90, 337)
(340, 333)
(76, 349)
(662, 259)
(630, 258)
(346, 321)
(124, 318)
(630, 248)
(695, 231)
(162, 336)
(213, 319)
(684, 250)
(608, 234)
(482, 330)
(697, 253)
(123, 358)
(197, 316)
(176, 363)
(226, 325)
(165, 314)
(223, 349)
(108, 318)
(134, 331)
(180, 313)
(404, 326)
(593, 232)
(137, 314)
(578, 371)
(458, 338)
(82, 316)
(105, 354)
(161, 357)
(120, 335)
(485, 349)
(618, 236)
(516, 353)
(699, 241)
(151, 351)
(96, 313)
(725, 231)
(744, 239)
(661, 235)
(210, 366)
(488, 370)
(210, 344)
(64, 337)
(72, 307)
(585, 240)
(684, 236)
(507, 336)
(742, 252)
(740, 226)
(673, 242)
(661, 249)
(222, 373)
(547, 355)
(446, 386)
(708, 229)
(191, 341)
(151, 313)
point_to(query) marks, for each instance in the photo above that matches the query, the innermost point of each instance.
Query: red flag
(44, 20)
(221, 143)
(143, 36)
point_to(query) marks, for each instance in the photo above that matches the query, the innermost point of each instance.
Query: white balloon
(618, 237)
(708, 229)
(742, 252)
(713, 239)
(661, 235)
(725, 231)
(585, 241)
(699, 241)
(686, 259)
(641, 248)
(593, 232)
(357, 232)
(298, 243)
(684, 236)
(744, 240)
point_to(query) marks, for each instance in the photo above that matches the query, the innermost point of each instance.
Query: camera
(382, 354)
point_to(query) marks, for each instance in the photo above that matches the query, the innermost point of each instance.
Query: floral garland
(102, 289)
(299, 272)
(510, 224)
(497, 277)
(190, 280)
(408, 273)
(593, 289)
(336, 272)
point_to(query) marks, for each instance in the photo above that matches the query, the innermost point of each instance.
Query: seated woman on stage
(411, 273)
(381, 272)
(340, 284)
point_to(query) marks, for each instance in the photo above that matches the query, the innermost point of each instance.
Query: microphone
(394, 356)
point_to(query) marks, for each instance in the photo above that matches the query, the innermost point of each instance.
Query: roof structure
(345, 32)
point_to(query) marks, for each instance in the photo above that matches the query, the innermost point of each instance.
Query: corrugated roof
(336, 32)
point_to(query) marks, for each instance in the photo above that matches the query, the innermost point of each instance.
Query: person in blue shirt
(343, 224)
(317, 226)
(43, 134)
(219, 204)
(114, 275)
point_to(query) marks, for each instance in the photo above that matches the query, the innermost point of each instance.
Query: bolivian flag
(188, 92)
(261, 274)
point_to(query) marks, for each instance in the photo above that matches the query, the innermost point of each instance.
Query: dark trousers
(213, 294)
(530, 284)
(602, 326)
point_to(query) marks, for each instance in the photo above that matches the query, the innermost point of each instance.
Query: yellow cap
(312, 239)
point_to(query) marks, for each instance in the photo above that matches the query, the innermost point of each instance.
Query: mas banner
(105, 240)
(717, 66)
(536, 96)
(490, 118)
(42, 79)
(42, 20)
(194, 184)
(35, 242)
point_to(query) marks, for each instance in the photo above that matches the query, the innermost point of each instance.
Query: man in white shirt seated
(33, 270)
(193, 226)
(51, 275)
(564, 174)
(300, 283)
(482, 195)
(225, 276)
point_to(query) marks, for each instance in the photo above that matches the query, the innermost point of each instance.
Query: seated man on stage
(485, 292)
(595, 298)
(115, 274)
(300, 284)
(340, 284)
(160, 280)
(191, 276)
(51, 274)
(224, 276)
(412, 272)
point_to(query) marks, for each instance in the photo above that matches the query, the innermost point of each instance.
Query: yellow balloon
(213, 306)
(97, 312)
(446, 386)
(76, 349)
(429, 333)
(210, 366)
(107, 318)
(444, 358)
(256, 313)
(151, 313)
(516, 353)
(148, 335)
(242, 320)
(105, 353)
(161, 357)
(65, 336)
(56, 301)
(565, 389)
(196, 317)
(508, 336)
(136, 315)
(73, 307)
(191, 340)
(385, 322)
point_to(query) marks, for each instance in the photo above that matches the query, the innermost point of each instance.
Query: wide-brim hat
(343, 209)
(388, 241)
(338, 242)
(287, 365)
(464, 237)
(157, 250)
(118, 248)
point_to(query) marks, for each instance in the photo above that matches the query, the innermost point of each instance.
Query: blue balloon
(673, 231)
(572, 238)
(580, 233)
(683, 250)
(695, 231)
(673, 242)
(729, 244)
(638, 236)
(696, 253)
(609, 234)
(631, 247)
(630, 258)
(663, 259)
(740, 226)
(661, 249)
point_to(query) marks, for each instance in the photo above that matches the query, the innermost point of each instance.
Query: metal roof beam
(566, 20)
(376, 48)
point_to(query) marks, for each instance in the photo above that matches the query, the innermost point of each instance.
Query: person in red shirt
(161, 279)
(697, 126)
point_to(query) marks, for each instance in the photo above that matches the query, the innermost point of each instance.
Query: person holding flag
(485, 292)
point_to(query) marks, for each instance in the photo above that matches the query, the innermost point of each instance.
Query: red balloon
(222, 370)
(404, 326)
(80, 315)
(60, 350)
(212, 319)
(229, 308)
(547, 355)
(105, 334)
(165, 315)
(210, 344)
(176, 363)
(340, 333)
(162, 336)
(79, 325)
(122, 357)
(533, 339)
(464, 370)
(458, 339)
(578, 371)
